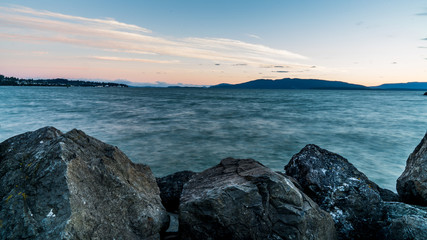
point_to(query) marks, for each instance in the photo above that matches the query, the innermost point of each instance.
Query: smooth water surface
(193, 129)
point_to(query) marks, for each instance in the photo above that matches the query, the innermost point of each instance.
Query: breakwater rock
(338, 187)
(72, 186)
(359, 207)
(242, 199)
(56, 185)
(403, 222)
(412, 184)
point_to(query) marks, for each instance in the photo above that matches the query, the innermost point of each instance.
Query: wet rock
(412, 184)
(242, 199)
(171, 187)
(404, 222)
(339, 188)
(73, 186)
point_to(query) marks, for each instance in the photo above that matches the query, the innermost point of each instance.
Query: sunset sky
(208, 42)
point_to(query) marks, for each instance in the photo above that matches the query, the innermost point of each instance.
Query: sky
(208, 42)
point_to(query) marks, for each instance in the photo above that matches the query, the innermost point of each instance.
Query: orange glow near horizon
(47, 44)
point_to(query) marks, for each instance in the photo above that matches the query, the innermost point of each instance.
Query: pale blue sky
(209, 42)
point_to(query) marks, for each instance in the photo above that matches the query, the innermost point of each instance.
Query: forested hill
(58, 82)
(292, 83)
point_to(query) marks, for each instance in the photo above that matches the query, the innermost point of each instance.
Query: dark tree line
(58, 82)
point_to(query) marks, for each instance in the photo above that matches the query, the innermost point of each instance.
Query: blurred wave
(179, 129)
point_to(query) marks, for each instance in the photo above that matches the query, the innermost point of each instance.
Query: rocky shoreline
(56, 185)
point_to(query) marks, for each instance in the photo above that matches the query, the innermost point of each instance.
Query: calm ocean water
(193, 129)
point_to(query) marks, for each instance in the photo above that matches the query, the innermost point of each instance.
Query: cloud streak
(119, 59)
(26, 24)
(113, 24)
(254, 36)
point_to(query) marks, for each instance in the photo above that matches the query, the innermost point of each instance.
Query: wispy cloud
(421, 14)
(120, 59)
(27, 24)
(254, 36)
(113, 24)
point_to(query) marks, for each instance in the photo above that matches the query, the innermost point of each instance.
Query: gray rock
(406, 228)
(242, 199)
(171, 187)
(404, 222)
(395, 210)
(412, 184)
(339, 188)
(72, 186)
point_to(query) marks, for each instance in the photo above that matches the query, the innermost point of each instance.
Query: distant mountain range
(292, 83)
(296, 83)
(285, 83)
(403, 86)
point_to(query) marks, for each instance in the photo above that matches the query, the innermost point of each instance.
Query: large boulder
(403, 222)
(412, 184)
(353, 200)
(73, 186)
(242, 199)
(171, 187)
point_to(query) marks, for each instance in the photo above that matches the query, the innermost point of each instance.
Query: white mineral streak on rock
(51, 214)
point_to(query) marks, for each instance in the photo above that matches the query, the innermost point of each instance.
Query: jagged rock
(412, 184)
(242, 199)
(404, 222)
(339, 188)
(73, 186)
(171, 187)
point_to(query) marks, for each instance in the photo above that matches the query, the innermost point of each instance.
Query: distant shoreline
(285, 83)
(58, 82)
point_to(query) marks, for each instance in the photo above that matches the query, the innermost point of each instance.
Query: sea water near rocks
(193, 129)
